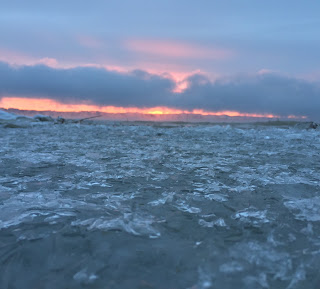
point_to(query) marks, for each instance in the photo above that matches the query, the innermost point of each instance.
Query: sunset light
(37, 104)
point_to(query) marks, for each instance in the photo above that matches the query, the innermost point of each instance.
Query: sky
(251, 57)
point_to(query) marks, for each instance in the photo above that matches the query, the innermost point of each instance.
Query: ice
(252, 215)
(274, 262)
(253, 281)
(216, 197)
(205, 279)
(24, 208)
(298, 276)
(167, 198)
(84, 277)
(7, 116)
(130, 223)
(307, 230)
(42, 117)
(183, 206)
(113, 205)
(305, 209)
(219, 223)
(204, 223)
(231, 267)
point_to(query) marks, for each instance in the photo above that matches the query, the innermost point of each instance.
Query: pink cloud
(173, 49)
(176, 72)
(18, 58)
(52, 62)
(179, 74)
(15, 58)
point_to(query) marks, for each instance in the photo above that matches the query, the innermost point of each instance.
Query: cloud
(85, 84)
(263, 93)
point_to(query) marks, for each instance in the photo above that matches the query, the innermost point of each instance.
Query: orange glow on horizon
(53, 105)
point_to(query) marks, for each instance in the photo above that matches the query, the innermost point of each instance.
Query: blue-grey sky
(226, 41)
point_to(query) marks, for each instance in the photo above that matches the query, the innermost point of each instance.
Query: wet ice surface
(145, 206)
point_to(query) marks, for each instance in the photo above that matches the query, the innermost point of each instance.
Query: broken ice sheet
(115, 184)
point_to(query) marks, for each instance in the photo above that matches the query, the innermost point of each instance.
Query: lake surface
(127, 205)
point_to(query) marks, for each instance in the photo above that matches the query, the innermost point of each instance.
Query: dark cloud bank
(266, 93)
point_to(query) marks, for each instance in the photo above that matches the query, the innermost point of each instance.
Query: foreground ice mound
(11, 120)
(7, 116)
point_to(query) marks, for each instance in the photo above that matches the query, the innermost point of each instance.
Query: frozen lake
(155, 206)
